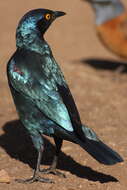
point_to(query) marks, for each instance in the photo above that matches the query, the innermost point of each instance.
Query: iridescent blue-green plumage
(41, 95)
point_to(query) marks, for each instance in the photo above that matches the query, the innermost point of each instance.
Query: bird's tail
(97, 149)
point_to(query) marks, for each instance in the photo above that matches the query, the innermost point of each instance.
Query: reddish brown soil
(100, 94)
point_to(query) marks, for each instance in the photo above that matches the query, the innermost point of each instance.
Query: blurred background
(99, 91)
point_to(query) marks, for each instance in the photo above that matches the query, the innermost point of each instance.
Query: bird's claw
(34, 179)
(53, 171)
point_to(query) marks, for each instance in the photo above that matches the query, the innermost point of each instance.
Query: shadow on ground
(103, 64)
(18, 145)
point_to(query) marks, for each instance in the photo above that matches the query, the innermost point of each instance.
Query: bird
(111, 25)
(42, 97)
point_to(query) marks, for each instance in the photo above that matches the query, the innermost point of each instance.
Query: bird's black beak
(59, 13)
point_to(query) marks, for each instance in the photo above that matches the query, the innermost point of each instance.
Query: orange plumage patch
(113, 34)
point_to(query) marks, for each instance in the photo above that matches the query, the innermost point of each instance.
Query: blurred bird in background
(42, 97)
(111, 24)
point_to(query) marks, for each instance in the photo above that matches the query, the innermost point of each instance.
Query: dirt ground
(100, 95)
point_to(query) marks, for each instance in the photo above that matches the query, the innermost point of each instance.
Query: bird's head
(106, 9)
(36, 22)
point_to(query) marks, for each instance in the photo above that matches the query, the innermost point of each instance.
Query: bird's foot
(120, 69)
(53, 171)
(34, 179)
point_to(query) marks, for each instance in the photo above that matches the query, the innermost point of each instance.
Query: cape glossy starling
(42, 97)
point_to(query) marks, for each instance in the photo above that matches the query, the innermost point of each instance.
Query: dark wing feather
(72, 110)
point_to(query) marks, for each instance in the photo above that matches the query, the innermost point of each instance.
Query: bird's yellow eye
(48, 16)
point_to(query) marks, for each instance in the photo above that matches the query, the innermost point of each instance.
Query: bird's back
(113, 34)
(40, 79)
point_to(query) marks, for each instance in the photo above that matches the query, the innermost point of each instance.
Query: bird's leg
(120, 69)
(36, 177)
(52, 169)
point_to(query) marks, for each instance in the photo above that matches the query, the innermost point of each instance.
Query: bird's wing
(53, 99)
